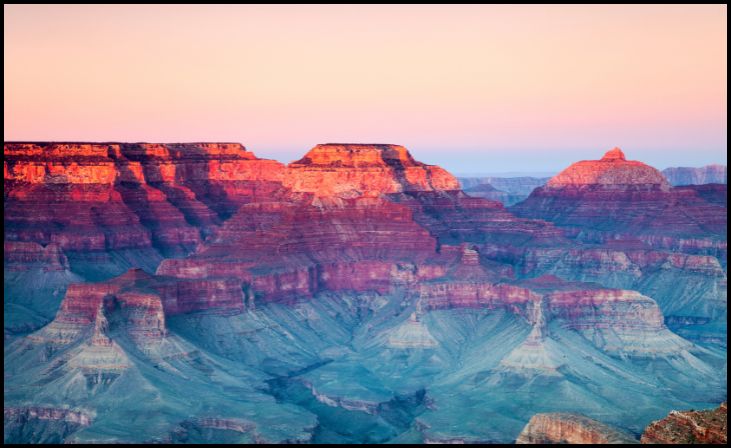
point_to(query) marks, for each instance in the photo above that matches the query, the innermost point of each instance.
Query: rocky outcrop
(685, 427)
(139, 304)
(557, 428)
(709, 174)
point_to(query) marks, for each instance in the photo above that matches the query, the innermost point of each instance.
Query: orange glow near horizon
(471, 79)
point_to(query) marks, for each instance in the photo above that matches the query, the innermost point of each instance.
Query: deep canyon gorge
(194, 292)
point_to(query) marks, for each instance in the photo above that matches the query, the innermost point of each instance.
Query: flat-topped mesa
(358, 155)
(611, 171)
(105, 163)
(349, 170)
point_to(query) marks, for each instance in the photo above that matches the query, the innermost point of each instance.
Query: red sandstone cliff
(107, 196)
(557, 428)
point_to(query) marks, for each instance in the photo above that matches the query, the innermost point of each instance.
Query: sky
(473, 88)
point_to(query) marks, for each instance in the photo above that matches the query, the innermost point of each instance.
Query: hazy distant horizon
(486, 87)
(486, 163)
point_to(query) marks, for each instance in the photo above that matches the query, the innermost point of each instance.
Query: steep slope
(109, 357)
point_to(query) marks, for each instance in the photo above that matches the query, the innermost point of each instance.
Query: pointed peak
(614, 154)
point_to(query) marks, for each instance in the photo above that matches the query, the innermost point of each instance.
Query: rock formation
(115, 196)
(556, 428)
(686, 427)
(613, 171)
(347, 170)
(617, 199)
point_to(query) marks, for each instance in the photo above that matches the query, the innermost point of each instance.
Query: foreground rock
(557, 428)
(708, 426)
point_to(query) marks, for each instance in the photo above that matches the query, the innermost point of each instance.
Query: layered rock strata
(614, 199)
(348, 170)
(558, 428)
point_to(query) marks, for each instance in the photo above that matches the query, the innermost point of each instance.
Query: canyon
(193, 292)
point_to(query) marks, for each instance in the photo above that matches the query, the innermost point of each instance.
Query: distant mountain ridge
(709, 174)
(508, 190)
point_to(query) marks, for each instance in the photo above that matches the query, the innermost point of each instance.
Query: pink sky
(473, 88)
